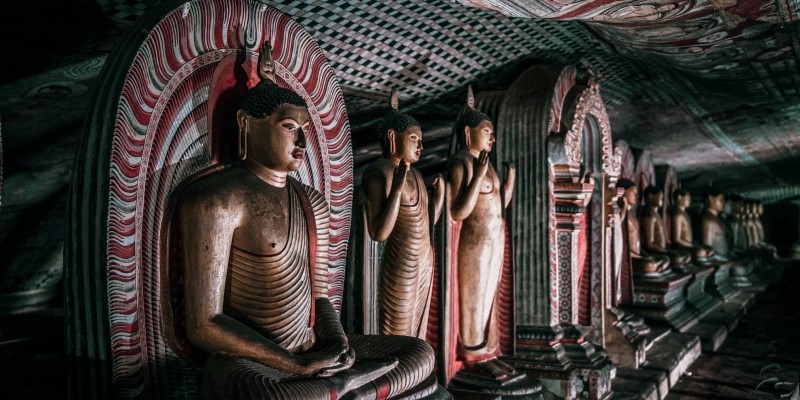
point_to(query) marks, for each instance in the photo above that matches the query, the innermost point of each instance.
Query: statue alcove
(544, 114)
(159, 116)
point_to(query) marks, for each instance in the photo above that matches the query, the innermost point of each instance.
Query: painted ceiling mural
(730, 65)
(707, 86)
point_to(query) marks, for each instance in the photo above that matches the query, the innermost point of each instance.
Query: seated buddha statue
(713, 227)
(654, 235)
(682, 228)
(737, 223)
(396, 208)
(255, 255)
(758, 213)
(642, 263)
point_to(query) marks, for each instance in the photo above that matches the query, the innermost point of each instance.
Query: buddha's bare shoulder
(220, 186)
(380, 168)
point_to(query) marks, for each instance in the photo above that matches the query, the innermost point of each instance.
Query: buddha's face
(683, 201)
(737, 207)
(481, 137)
(278, 141)
(716, 203)
(655, 199)
(631, 195)
(408, 144)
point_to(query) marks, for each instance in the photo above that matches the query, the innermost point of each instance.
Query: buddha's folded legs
(229, 377)
(416, 360)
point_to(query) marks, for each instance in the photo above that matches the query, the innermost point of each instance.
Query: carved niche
(157, 118)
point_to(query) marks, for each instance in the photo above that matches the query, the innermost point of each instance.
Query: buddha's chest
(270, 223)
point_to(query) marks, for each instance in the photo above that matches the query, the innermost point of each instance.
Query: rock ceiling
(710, 87)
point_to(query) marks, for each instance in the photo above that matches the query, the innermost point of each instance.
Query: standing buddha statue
(396, 206)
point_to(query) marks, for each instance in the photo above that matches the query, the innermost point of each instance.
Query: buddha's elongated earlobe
(242, 143)
(390, 136)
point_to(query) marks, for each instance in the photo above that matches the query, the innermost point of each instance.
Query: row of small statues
(255, 253)
(653, 254)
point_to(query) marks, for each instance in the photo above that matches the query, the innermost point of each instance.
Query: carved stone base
(662, 300)
(638, 383)
(741, 272)
(496, 379)
(719, 284)
(569, 368)
(672, 352)
(696, 293)
(624, 338)
(669, 354)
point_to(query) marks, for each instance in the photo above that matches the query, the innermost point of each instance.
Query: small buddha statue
(757, 229)
(713, 226)
(654, 237)
(478, 201)
(396, 205)
(753, 241)
(643, 264)
(255, 257)
(682, 229)
(737, 221)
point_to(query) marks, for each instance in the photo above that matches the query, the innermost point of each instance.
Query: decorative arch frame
(627, 161)
(667, 180)
(543, 115)
(154, 121)
(645, 174)
(580, 199)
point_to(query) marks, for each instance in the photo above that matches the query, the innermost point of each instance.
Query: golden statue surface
(396, 206)
(478, 200)
(255, 254)
(642, 263)
(654, 236)
(682, 228)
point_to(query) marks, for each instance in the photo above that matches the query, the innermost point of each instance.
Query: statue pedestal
(669, 354)
(495, 379)
(696, 293)
(741, 273)
(570, 368)
(625, 347)
(719, 283)
(766, 272)
(662, 300)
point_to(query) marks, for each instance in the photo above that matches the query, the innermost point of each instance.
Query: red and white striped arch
(163, 133)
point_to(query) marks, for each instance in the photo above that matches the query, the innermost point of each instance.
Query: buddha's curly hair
(651, 190)
(266, 97)
(469, 117)
(625, 183)
(397, 121)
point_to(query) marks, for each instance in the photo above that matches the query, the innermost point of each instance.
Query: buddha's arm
(382, 209)
(678, 225)
(705, 236)
(206, 258)
(438, 197)
(465, 194)
(508, 185)
(327, 327)
(649, 235)
(331, 336)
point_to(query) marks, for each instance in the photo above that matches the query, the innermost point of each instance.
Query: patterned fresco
(705, 70)
(714, 73)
